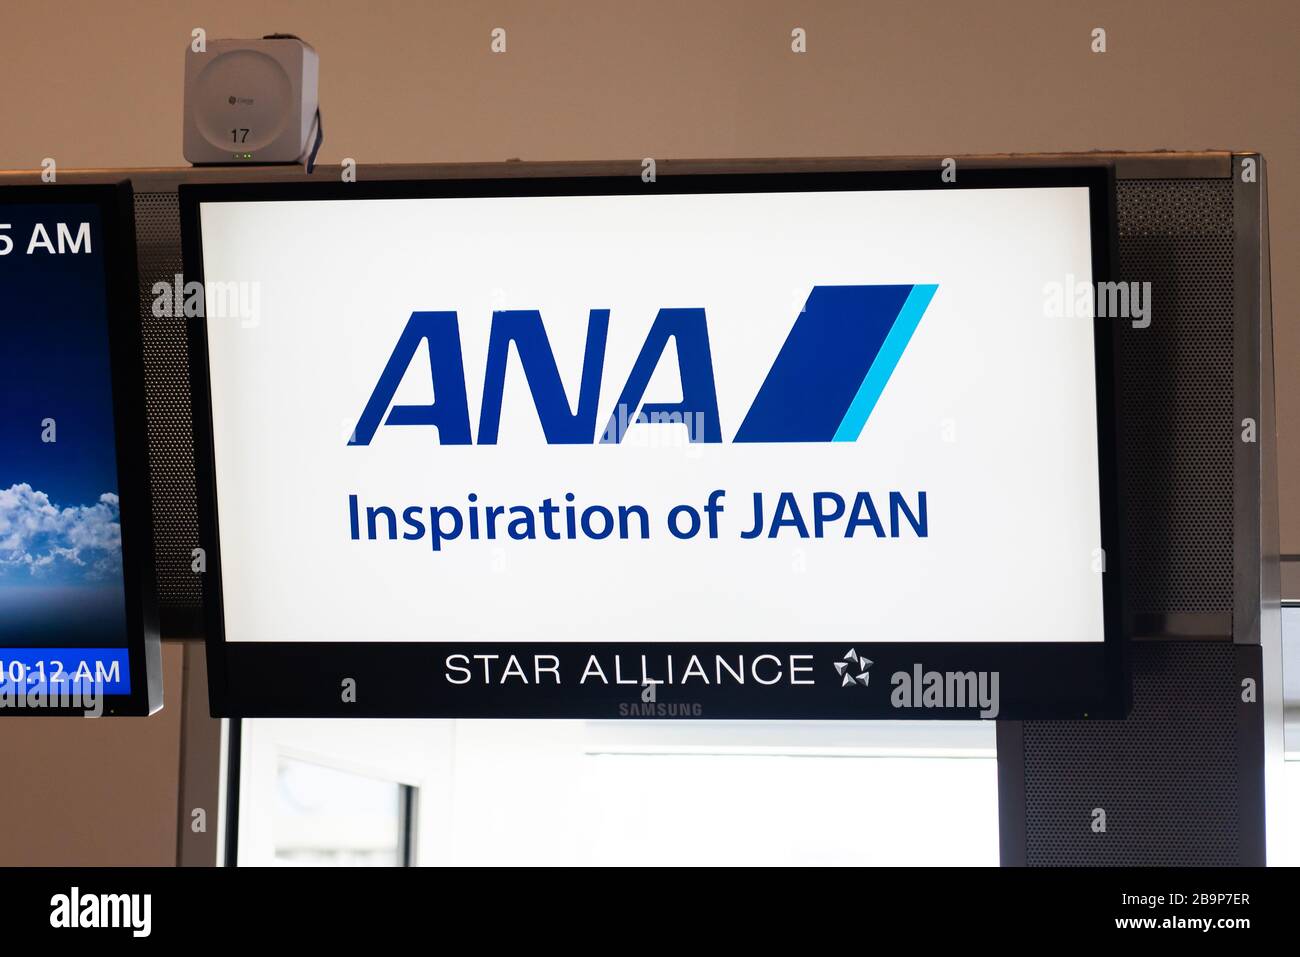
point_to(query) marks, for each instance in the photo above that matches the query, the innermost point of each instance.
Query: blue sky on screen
(59, 520)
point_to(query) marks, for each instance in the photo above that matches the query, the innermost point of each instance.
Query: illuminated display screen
(745, 448)
(68, 617)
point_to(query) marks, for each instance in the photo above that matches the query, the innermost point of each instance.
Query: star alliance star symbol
(843, 669)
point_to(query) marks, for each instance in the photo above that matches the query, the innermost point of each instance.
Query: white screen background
(991, 410)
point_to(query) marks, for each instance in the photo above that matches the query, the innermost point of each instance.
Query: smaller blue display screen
(63, 618)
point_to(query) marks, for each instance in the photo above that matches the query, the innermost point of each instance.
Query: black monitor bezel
(115, 202)
(302, 679)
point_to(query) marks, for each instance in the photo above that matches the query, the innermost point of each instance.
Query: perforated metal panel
(167, 401)
(1175, 401)
(1166, 777)
(1170, 777)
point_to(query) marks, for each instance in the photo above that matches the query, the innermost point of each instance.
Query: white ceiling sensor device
(252, 101)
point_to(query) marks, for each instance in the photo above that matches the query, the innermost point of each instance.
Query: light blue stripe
(882, 367)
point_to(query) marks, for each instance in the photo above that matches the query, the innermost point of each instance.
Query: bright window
(324, 816)
(630, 792)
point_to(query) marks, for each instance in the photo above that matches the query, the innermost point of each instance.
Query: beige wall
(93, 793)
(96, 84)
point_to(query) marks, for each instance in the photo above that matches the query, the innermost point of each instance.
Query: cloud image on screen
(61, 578)
(60, 569)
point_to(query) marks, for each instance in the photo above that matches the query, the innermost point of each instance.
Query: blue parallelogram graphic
(834, 364)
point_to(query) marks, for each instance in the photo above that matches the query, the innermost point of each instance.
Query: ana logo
(852, 669)
(822, 386)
